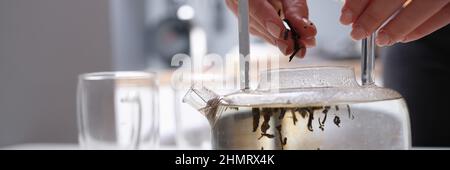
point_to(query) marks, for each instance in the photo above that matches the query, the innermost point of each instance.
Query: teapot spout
(205, 101)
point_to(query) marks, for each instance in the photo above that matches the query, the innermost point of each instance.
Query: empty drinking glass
(118, 110)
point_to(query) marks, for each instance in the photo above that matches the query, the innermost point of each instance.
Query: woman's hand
(266, 22)
(416, 19)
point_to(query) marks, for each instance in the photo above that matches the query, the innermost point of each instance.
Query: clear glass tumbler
(118, 111)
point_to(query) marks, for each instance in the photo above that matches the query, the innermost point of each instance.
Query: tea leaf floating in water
(267, 113)
(310, 119)
(337, 121)
(311, 116)
(294, 117)
(265, 126)
(282, 113)
(325, 112)
(283, 141)
(266, 135)
(211, 110)
(305, 113)
(256, 116)
(350, 115)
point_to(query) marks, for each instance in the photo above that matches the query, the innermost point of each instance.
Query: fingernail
(346, 17)
(302, 52)
(305, 20)
(383, 39)
(273, 29)
(391, 43)
(404, 40)
(358, 33)
(283, 47)
(308, 22)
(310, 42)
(313, 42)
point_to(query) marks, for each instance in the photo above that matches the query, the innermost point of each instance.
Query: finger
(376, 13)
(302, 53)
(299, 7)
(439, 20)
(296, 11)
(255, 28)
(232, 6)
(264, 36)
(411, 17)
(287, 46)
(265, 14)
(270, 27)
(277, 4)
(309, 43)
(352, 10)
(260, 28)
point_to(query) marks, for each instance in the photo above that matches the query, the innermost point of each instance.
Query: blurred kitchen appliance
(170, 35)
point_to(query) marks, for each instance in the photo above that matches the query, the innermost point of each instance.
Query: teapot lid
(308, 86)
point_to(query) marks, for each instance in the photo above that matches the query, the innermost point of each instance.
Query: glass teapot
(313, 108)
(310, 108)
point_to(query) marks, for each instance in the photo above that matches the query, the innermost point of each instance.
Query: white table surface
(53, 146)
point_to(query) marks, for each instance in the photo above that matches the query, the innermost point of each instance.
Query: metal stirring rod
(244, 45)
(368, 61)
(368, 56)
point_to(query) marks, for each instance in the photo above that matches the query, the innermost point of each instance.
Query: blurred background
(46, 44)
